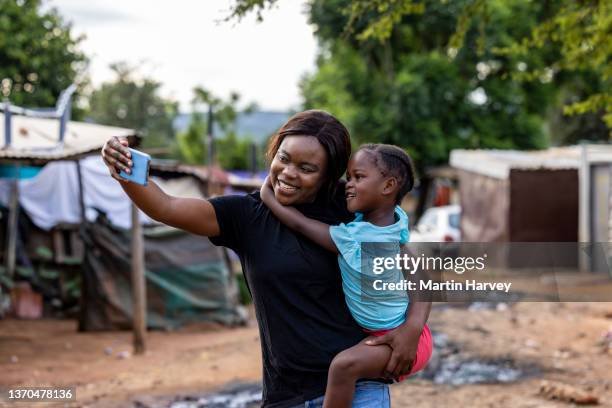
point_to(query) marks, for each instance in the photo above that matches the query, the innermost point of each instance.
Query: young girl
(378, 177)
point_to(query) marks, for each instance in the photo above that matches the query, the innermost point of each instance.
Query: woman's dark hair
(328, 130)
(393, 161)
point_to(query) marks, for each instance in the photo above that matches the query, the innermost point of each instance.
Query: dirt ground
(565, 342)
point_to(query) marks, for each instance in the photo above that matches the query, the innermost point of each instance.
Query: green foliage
(382, 16)
(570, 40)
(539, 62)
(593, 103)
(134, 103)
(241, 8)
(39, 56)
(581, 33)
(231, 152)
(192, 143)
(407, 91)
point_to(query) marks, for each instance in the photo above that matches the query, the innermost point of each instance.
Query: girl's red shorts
(424, 350)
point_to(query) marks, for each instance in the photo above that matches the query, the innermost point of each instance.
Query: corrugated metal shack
(561, 194)
(105, 304)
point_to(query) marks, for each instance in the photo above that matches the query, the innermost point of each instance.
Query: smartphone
(140, 168)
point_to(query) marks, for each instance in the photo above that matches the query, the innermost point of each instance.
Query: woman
(295, 284)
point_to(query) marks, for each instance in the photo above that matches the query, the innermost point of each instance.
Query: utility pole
(139, 294)
(12, 231)
(211, 137)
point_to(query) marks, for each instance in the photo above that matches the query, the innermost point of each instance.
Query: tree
(563, 43)
(191, 144)
(231, 152)
(580, 33)
(408, 90)
(578, 30)
(133, 102)
(39, 56)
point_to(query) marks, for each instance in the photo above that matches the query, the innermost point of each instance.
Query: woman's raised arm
(191, 214)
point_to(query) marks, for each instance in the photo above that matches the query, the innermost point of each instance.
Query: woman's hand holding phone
(117, 157)
(130, 164)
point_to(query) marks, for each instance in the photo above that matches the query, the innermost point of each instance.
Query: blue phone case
(140, 168)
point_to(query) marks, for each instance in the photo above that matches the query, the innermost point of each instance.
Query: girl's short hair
(329, 131)
(393, 161)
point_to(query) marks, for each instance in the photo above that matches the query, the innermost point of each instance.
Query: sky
(183, 44)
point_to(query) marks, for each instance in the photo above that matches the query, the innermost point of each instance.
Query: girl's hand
(267, 193)
(117, 157)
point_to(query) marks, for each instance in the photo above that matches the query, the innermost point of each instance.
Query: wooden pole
(81, 192)
(139, 305)
(12, 225)
(12, 231)
(82, 229)
(211, 136)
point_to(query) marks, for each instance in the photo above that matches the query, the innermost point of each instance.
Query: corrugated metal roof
(35, 140)
(498, 163)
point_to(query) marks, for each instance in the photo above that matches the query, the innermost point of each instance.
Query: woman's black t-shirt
(297, 290)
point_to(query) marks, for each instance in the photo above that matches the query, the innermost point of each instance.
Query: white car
(438, 224)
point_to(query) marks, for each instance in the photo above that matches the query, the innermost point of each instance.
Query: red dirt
(564, 339)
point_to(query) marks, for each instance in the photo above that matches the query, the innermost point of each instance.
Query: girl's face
(365, 183)
(297, 171)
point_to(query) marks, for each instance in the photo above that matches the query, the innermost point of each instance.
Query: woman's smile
(298, 170)
(285, 187)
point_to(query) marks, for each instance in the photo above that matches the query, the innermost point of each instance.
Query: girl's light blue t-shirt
(372, 309)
